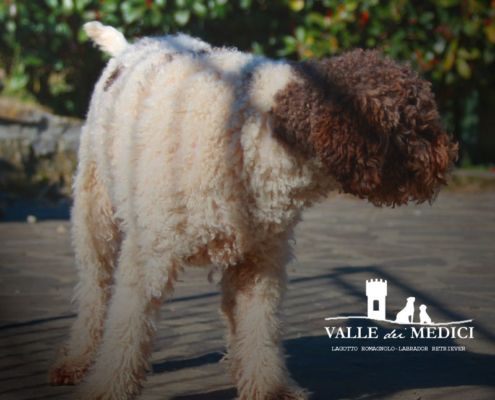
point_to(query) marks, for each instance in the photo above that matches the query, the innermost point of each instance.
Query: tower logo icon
(376, 291)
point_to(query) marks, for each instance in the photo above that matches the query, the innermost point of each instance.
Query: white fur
(178, 166)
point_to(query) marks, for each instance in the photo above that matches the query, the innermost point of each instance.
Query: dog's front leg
(119, 371)
(252, 293)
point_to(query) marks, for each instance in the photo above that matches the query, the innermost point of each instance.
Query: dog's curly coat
(206, 157)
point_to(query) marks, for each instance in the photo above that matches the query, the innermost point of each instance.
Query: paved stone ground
(442, 255)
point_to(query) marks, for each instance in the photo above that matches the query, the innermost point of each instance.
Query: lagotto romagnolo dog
(201, 156)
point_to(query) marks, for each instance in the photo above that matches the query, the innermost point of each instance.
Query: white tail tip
(108, 39)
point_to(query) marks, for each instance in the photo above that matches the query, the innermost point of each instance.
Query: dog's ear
(417, 165)
(354, 155)
(394, 149)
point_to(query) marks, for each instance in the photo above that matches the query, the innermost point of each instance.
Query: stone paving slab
(442, 255)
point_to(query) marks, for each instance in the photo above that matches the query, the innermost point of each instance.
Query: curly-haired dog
(193, 156)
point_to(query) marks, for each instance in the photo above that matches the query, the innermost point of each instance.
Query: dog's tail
(108, 39)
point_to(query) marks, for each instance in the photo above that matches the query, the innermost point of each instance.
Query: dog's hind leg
(251, 297)
(96, 240)
(119, 371)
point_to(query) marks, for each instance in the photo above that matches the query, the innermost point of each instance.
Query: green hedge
(44, 51)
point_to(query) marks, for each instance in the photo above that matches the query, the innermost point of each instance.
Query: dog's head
(422, 307)
(373, 122)
(411, 299)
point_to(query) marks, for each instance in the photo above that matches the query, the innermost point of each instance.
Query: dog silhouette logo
(406, 315)
(424, 318)
(376, 293)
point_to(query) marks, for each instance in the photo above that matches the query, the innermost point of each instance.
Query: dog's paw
(67, 373)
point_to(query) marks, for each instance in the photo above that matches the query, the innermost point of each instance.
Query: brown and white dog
(193, 156)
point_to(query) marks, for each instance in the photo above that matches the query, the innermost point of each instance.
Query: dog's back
(181, 136)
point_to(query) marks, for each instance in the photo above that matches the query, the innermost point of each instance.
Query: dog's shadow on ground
(333, 375)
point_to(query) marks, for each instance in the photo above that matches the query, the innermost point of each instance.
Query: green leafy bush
(45, 50)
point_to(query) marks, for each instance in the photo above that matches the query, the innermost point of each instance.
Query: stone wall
(37, 149)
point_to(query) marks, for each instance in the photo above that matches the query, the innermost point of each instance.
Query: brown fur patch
(112, 78)
(372, 121)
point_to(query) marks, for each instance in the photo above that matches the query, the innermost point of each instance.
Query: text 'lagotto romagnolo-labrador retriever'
(201, 156)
